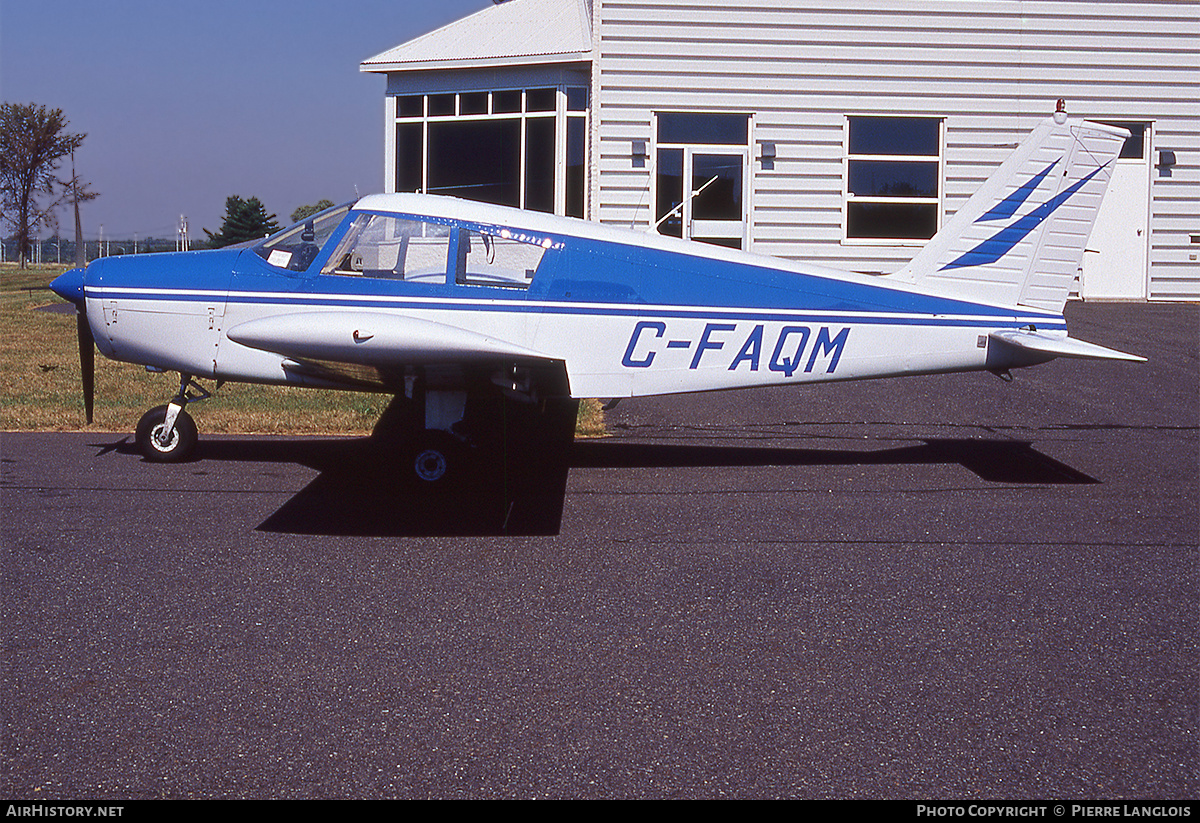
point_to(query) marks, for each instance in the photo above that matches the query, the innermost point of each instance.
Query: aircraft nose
(69, 286)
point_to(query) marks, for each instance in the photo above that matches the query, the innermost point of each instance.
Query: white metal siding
(991, 68)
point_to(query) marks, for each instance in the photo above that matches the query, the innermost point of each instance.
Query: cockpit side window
(499, 257)
(297, 246)
(393, 248)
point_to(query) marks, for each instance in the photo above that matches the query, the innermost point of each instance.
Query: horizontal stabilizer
(1057, 346)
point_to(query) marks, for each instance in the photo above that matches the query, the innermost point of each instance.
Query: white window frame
(746, 151)
(848, 198)
(559, 113)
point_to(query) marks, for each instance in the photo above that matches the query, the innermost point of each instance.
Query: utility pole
(80, 249)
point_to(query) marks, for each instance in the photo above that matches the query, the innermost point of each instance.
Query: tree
(33, 141)
(244, 220)
(308, 211)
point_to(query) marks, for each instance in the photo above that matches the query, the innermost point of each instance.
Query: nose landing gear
(167, 434)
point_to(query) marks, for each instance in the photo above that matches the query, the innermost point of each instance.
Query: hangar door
(1115, 261)
(702, 177)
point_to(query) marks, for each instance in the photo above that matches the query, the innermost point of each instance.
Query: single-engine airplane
(482, 319)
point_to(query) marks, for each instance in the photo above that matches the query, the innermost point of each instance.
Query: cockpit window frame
(492, 236)
(359, 222)
(281, 251)
(453, 274)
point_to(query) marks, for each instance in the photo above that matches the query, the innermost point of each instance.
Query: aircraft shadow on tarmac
(361, 491)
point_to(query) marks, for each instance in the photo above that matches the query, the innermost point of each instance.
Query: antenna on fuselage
(685, 200)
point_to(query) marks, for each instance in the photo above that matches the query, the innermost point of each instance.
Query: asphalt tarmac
(938, 588)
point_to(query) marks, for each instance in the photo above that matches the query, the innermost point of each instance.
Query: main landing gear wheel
(156, 447)
(436, 459)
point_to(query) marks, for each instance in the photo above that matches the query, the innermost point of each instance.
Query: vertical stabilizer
(1020, 239)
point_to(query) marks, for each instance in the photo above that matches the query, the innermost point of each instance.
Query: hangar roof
(513, 33)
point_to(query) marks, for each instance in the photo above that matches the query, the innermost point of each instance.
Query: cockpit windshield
(296, 247)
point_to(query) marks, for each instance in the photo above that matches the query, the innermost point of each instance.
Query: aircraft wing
(381, 341)
(370, 351)
(372, 340)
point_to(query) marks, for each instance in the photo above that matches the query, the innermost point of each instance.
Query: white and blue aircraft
(476, 316)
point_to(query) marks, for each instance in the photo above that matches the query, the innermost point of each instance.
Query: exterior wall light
(768, 155)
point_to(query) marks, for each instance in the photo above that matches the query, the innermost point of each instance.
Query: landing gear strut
(418, 430)
(481, 438)
(167, 434)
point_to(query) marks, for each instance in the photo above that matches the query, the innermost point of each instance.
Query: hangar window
(395, 248)
(894, 172)
(1134, 147)
(513, 147)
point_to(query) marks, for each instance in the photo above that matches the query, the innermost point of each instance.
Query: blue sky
(185, 104)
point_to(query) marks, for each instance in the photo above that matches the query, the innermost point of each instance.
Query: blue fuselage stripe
(987, 315)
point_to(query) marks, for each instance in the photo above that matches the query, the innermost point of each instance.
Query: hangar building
(844, 133)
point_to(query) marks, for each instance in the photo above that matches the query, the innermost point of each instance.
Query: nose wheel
(167, 434)
(160, 442)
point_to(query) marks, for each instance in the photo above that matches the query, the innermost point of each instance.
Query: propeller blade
(87, 361)
(87, 343)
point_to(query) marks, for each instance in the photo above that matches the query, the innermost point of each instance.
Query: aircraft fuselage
(454, 306)
(629, 315)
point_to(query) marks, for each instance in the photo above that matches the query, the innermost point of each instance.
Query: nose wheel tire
(158, 448)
